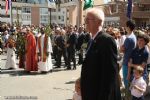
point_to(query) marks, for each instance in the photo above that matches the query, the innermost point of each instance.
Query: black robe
(99, 74)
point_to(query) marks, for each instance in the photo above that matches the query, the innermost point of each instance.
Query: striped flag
(129, 9)
(10, 3)
(7, 5)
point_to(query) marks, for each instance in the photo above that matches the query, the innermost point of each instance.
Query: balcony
(18, 4)
(141, 14)
(143, 1)
(71, 3)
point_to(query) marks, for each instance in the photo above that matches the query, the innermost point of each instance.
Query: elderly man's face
(90, 22)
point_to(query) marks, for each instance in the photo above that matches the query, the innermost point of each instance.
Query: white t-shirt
(148, 50)
(140, 83)
(122, 39)
(76, 96)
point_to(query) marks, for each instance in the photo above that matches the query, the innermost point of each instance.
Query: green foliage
(20, 44)
(88, 4)
(48, 30)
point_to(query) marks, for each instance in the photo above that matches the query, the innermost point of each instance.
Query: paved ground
(58, 85)
(16, 84)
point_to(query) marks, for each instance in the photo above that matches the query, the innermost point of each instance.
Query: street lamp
(58, 2)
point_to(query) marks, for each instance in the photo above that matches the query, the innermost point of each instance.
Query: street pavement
(58, 85)
(18, 85)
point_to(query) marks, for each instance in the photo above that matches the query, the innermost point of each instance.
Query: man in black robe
(99, 74)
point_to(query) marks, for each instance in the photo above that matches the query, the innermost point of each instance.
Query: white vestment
(11, 59)
(45, 66)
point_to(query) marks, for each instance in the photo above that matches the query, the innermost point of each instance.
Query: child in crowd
(77, 93)
(11, 61)
(138, 85)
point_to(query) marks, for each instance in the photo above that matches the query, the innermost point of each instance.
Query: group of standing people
(34, 53)
(135, 61)
(100, 69)
(66, 43)
(34, 48)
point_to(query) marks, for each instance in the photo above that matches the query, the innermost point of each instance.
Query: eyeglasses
(88, 19)
(93, 20)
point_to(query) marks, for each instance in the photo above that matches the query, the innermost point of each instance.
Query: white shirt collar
(130, 34)
(96, 33)
(43, 35)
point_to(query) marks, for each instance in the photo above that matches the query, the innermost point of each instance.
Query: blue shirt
(129, 44)
(138, 57)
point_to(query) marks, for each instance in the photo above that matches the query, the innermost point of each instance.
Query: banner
(129, 9)
(8, 5)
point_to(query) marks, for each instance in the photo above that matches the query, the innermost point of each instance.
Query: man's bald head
(97, 13)
(94, 20)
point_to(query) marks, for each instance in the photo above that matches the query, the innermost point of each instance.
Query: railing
(141, 14)
(18, 4)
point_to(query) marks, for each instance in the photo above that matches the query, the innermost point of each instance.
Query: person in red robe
(30, 56)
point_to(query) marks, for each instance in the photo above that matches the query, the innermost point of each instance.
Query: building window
(59, 17)
(4, 16)
(26, 10)
(44, 18)
(14, 0)
(43, 10)
(62, 18)
(53, 10)
(26, 17)
(2, 7)
(65, 1)
(59, 9)
(53, 17)
(32, 1)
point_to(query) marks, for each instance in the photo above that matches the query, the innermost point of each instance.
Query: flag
(8, 4)
(129, 9)
(88, 4)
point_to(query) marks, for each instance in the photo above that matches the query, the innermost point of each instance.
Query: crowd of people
(35, 47)
(102, 52)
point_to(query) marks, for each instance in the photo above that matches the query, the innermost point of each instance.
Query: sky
(106, 1)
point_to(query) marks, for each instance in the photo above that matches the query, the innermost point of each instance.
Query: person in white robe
(44, 50)
(11, 58)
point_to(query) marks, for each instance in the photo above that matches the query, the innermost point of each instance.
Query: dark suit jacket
(60, 42)
(80, 40)
(72, 40)
(99, 74)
